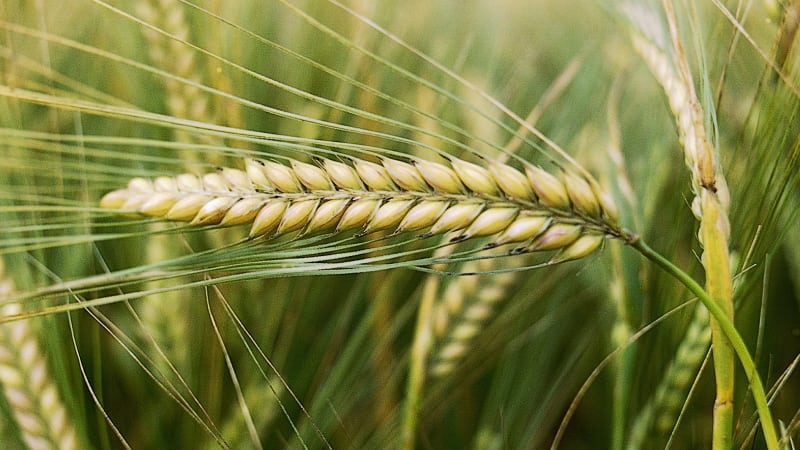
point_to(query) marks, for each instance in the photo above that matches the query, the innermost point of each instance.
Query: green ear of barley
(533, 209)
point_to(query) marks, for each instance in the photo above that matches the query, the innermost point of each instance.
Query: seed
(237, 179)
(256, 171)
(423, 215)
(550, 191)
(214, 182)
(457, 217)
(342, 175)
(163, 184)
(297, 215)
(267, 220)
(375, 176)
(327, 215)
(213, 211)
(581, 194)
(491, 221)
(311, 176)
(389, 214)
(475, 177)
(358, 213)
(557, 236)
(187, 207)
(525, 227)
(115, 199)
(511, 181)
(439, 176)
(158, 203)
(188, 182)
(282, 177)
(244, 211)
(405, 175)
(140, 185)
(581, 248)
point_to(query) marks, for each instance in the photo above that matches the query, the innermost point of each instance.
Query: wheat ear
(534, 210)
(32, 396)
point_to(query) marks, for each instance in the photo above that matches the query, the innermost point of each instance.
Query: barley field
(414, 225)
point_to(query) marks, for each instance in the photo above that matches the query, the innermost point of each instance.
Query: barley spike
(530, 206)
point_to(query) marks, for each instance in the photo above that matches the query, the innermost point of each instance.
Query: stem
(716, 261)
(729, 330)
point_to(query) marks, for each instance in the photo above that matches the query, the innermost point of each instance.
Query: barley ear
(30, 391)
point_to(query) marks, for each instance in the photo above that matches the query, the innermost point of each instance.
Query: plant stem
(716, 262)
(728, 329)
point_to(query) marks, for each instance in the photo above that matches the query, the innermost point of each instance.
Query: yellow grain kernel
(244, 211)
(475, 177)
(467, 330)
(163, 184)
(454, 350)
(237, 179)
(581, 248)
(135, 200)
(297, 215)
(188, 182)
(405, 175)
(213, 211)
(550, 191)
(158, 203)
(187, 207)
(490, 221)
(327, 215)
(257, 173)
(389, 214)
(115, 199)
(358, 213)
(342, 175)
(439, 176)
(457, 217)
(268, 218)
(557, 236)
(511, 181)
(215, 182)
(607, 203)
(139, 184)
(423, 215)
(282, 177)
(581, 194)
(522, 228)
(374, 175)
(312, 177)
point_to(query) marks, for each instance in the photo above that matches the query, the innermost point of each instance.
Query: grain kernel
(405, 175)
(342, 175)
(439, 176)
(423, 215)
(475, 177)
(374, 175)
(550, 191)
(511, 181)
(282, 177)
(311, 176)
(268, 218)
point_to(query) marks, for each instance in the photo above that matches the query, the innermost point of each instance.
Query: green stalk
(728, 330)
(720, 288)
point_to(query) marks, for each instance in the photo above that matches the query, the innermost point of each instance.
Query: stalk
(727, 333)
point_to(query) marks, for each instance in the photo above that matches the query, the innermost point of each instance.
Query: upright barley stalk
(710, 205)
(31, 394)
